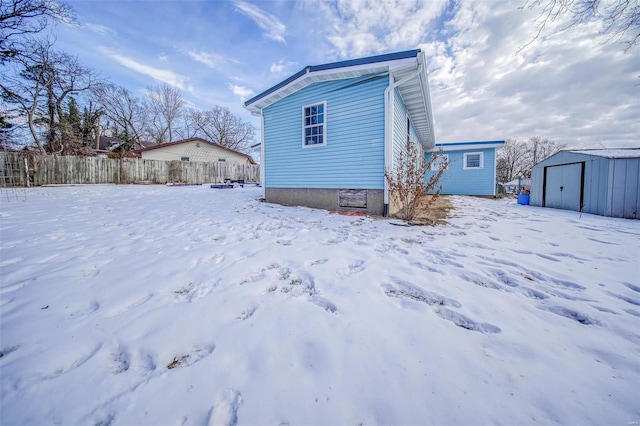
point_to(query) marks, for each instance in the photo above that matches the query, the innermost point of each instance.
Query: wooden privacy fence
(35, 169)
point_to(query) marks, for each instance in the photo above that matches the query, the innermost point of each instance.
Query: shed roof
(414, 91)
(610, 153)
(164, 145)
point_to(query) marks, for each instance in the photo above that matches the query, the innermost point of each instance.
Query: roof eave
(336, 71)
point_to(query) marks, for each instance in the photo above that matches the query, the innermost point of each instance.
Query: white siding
(195, 151)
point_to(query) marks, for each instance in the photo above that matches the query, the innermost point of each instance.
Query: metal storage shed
(605, 182)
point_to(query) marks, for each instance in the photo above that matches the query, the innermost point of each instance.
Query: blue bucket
(523, 199)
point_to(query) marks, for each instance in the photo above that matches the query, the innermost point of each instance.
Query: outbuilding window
(184, 158)
(473, 160)
(314, 125)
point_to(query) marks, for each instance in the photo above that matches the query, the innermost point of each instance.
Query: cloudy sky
(568, 85)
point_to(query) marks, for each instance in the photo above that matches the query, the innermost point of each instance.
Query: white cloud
(566, 85)
(164, 76)
(362, 27)
(99, 29)
(242, 92)
(273, 28)
(282, 66)
(211, 60)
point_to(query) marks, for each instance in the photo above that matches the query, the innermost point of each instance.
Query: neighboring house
(471, 170)
(194, 149)
(605, 182)
(330, 131)
(106, 144)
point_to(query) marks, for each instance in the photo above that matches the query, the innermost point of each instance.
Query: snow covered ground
(154, 305)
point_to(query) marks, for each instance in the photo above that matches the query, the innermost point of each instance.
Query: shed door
(563, 186)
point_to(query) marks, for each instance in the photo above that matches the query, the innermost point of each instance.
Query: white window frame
(464, 161)
(435, 166)
(324, 125)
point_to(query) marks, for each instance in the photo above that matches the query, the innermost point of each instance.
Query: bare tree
(620, 18)
(165, 106)
(512, 160)
(219, 125)
(19, 18)
(406, 182)
(39, 83)
(124, 110)
(541, 148)
(25, 87)
(517, 158)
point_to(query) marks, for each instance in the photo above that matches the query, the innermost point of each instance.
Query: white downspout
(262, 162)
(388, 128)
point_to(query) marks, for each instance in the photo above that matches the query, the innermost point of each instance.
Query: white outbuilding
(605, 182)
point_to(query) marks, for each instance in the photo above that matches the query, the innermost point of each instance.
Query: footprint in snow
(480, 281)
(632, 312)
(547, 257)
(7, 350)
(403, 289)
(325, 304)
(427, 267)
(505, 278)
(86, 356)
(225, 408)
(128, 305)
(142, 362)
(195, 355)
(192, 292)
(632, 287)
(570, 313)
(569, 285)
(353, 268)
(533, 294)
(119, 359)
(602, 242)
(85, 311)
(315, 262)
(253, 278)
(627, 299)
(248, 312)
(465, 322)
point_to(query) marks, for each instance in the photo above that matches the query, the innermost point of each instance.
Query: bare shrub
(407, 186)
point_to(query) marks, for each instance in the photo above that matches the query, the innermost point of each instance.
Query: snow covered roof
(611, 153)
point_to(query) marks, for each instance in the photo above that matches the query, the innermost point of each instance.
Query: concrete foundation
(328, 199)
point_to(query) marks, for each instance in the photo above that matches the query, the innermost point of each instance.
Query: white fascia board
(330, 74)
(466, 147)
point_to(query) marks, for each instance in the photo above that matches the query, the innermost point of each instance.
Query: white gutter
(388, 128)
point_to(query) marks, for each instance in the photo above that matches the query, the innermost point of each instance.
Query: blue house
(330, 131)
(471, 169)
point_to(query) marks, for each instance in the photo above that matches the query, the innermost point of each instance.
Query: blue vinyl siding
(400, 116)
(458, 181)
(354, 153)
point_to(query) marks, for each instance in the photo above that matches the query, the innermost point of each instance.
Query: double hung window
(314, 125)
